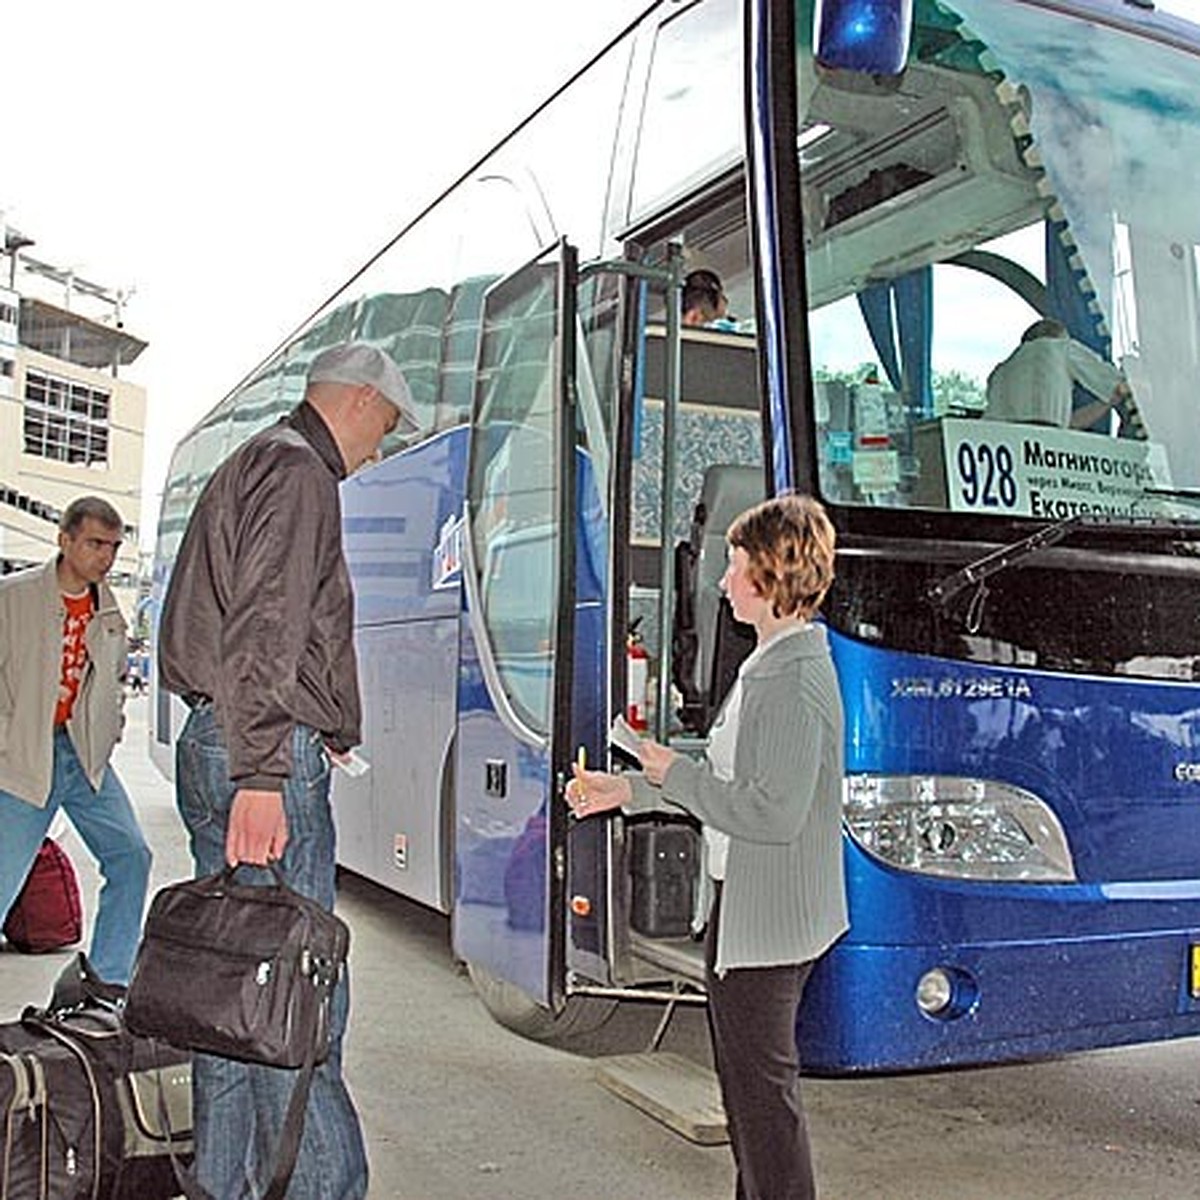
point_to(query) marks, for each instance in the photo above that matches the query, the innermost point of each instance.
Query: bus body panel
(397, 518)
(397, 524)
(501, 783)
(1032, 997)
(390, 826)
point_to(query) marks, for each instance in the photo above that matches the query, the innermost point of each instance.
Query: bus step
(674, 1090)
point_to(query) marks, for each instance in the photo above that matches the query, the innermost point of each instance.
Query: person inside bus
(1034, 385)
(769, 795)
(704, 300)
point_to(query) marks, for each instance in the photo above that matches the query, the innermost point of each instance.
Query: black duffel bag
(87, 1110)
(245, 972)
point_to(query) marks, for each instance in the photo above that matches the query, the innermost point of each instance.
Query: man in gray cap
(357, 364)
(256, 635)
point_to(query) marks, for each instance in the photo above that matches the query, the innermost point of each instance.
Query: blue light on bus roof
(863, 35)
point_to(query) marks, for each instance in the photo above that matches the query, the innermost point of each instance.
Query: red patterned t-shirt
(74, 654)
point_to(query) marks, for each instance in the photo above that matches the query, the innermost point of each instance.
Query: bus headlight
(961, 828)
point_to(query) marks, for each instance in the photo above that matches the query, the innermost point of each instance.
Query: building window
(8, 314)
(6, 367)
(65, 420)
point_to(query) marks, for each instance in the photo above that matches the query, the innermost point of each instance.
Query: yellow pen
(580, 802)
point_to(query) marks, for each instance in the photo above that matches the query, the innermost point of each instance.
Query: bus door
(610, 352)
(515, 739)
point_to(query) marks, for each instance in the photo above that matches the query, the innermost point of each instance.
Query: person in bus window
(1035, 384)
(704, 302)
(769, 795)
(257, 638)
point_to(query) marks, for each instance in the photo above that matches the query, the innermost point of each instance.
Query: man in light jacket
(62, 659)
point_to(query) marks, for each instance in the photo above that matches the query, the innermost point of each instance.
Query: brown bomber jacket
(258, 615)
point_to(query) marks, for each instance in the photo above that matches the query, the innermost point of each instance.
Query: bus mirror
(870, 36)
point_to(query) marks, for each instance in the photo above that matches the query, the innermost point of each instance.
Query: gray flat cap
(357, 363)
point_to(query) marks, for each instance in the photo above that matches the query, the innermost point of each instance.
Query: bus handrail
(670, 277)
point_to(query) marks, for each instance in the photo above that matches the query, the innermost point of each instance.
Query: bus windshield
(1002, 262)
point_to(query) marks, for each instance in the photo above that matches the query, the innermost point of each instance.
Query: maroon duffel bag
(48, 913)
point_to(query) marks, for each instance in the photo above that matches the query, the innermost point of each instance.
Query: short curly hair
(790, 544)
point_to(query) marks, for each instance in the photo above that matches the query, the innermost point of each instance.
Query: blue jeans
(238, 1108)
(106, 822)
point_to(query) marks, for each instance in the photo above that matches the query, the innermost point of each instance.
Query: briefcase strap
(285, 1153)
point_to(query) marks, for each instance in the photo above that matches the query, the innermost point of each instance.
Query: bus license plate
(1194, 972)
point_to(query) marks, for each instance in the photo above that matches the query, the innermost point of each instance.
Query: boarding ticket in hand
(622, 735)
(352, 763)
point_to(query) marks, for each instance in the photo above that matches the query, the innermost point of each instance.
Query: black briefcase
(242, 972)
(236, 970)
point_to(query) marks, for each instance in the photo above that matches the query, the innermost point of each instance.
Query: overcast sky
(234, 162)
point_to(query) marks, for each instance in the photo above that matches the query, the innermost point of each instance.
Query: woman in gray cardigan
(770, 798)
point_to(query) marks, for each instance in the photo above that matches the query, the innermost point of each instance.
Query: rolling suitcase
(82, 1104)
(664, 865)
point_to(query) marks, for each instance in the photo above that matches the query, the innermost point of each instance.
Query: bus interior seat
(708, 644)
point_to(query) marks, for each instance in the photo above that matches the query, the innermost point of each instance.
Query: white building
(69, 425)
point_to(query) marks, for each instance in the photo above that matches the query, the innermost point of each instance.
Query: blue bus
(892, 193)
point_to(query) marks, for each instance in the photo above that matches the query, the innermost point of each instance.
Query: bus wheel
(512, 1008)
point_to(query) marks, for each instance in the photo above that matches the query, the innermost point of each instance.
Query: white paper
(352, 763)
(622, 735)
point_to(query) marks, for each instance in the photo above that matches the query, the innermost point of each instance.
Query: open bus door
(544, 631)
(515, 736)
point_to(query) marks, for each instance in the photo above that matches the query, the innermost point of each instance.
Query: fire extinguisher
(637, 682)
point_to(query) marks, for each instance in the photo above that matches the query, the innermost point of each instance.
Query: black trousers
(752, 1021)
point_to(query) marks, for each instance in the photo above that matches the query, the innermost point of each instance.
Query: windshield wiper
(1192, 494)
(941, 592)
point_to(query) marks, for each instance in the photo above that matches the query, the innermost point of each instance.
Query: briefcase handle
(220, 881)
(230, 870)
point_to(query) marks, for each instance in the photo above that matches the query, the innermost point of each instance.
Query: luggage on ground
(48, 913)
(82, 1105)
